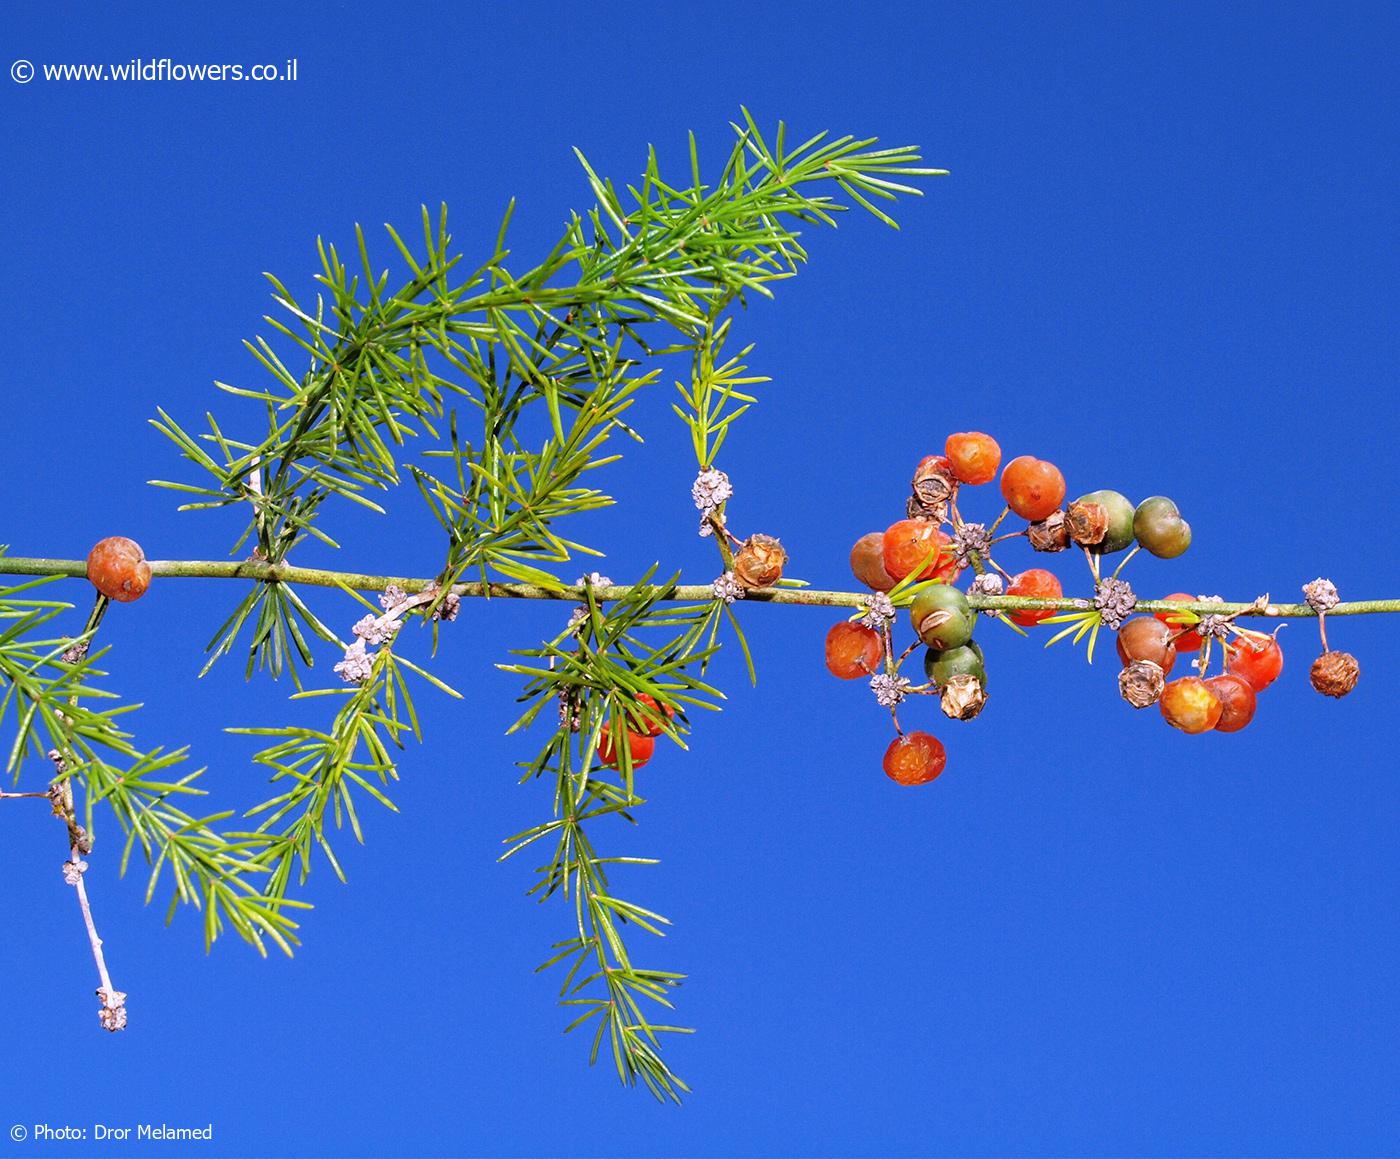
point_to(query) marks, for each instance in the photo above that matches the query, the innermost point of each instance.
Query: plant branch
(684, 593)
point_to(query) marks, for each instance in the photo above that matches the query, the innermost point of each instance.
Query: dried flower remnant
(1321, 595)
(969, 541)
(988, 584)
(889, 690)
(1115, 601)
(710, 490)
(376, 630)
(879, 612)
(357, 666)
(728, 588)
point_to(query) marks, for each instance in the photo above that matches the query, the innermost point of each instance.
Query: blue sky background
(1165, 258)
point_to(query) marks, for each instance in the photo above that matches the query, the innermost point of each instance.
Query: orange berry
(1032, 487)
(640, 747)
(1191, 705)
(649, 723)
(908, 543)
(1034, 583)
(1237, 701)
(1146, 638)
(1255, 658)
(118, 569)
(915, 758)
(973, 456)
(868, 562)
(853, 650)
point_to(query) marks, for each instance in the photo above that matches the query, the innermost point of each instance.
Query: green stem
(683, 593)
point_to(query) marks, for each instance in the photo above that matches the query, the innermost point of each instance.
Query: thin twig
(265, 572)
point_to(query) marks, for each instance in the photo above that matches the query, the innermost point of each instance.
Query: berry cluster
(916, 561)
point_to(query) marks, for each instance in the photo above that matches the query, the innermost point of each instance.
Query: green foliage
(463, 365)
(593, 675)
(66, 719)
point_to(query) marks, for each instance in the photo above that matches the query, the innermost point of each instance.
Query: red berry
(868, 562)
(1237, 702)
(853, 650)
(915, 758)
(1146, 638)
(1191, 705)
(910, 541)
(973, 456)
(1032, 487)
(1256, 658)
(641, 747)
(1035, 583)
(118, 569)
(1188, 641)
(649, 723)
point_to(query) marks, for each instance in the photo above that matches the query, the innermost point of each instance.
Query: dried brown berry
(759, 562)
(934, 485)
(963, 697)
(1335, 673)
(1141, 683)
(1050, 534)
(118, 569)
(1086, 522)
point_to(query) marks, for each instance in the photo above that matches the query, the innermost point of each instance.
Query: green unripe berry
(1159, 527)
(1120, 520)
(967, 660)
(942, 617)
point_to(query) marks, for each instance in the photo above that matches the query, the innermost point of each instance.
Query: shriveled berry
(1237, 701)
(974, 456)
(1335, 673)
(915, 758)
(942, 617)
(868, 562)
(963, 698)
(853, 650)
(639, 746)
(647, 719)
(1036, 583)
(1188, 641)
(908, 543)
(1118, 512)
(1159, 527)
(118, 569)
(1190, 705)
(1049, 534)
(1141, 683)
(1086, 522)
(967, 660)
(1146, 638)
(1257, 658)
(1032, 487)
(933, 486)
(759, 562)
